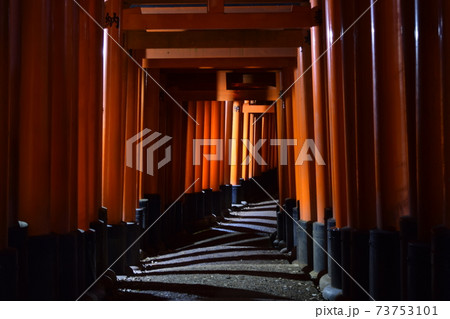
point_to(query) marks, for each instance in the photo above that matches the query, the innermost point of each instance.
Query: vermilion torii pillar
(114, 129)
(334, 28)
(321, 138)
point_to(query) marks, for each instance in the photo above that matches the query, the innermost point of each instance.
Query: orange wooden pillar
(288, 79)
(256, 138)
(64, 114)
(336, 112)
(389, 115)
(90, 114)
(214, 170)
(222, 124)
(247, 123)
(319, 87)
(228, 134)
(283, 177)
(430, 172)
(190, 135)
(151, 120)
(130, 188)
(4, 122)
(199, 131)
(364, 129)
(305, 118)
(206, 148)
(348, 48)
(34, 136)
(265, 131)
(234, 145)
(251, 137)
(114, 120)
(446, 101)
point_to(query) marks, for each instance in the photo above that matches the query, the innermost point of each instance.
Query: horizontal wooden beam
(216, 39)
(257, 108)
(181, 2)
(217, 63)
(204, 53)
(300, 18)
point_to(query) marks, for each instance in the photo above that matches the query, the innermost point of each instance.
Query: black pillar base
(90, 257)
(289, 205)
(9, 274)
(236, 194)
(117, 244)
(101, 246)
(153, 237)
(305, 245)
(199, 205)
(43, 268)
(440, 269)
(419, 272)
(207, 198)
(408, 233)
(133, 233)
(67, 266)
(320, 257)
(360, 264)
(18, 238)
(384, 271)
(335, 271)
(346, 261)
(189, 206)
(215, 203)
(225, 198)
(331, 223)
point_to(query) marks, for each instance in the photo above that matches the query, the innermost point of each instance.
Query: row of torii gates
(367, 80)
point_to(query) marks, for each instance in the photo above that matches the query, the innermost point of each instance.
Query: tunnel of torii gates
(375, 101)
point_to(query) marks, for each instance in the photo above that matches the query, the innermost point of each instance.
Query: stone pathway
(234, 260)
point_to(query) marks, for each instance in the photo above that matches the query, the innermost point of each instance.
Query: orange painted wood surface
(35, 115)
(305, 108)
(391, 162)
(199, 131)
(430, 172)
(4, 123)
(214, 170)
(333, 17)
(190, 135)
(234, 156)
(206, 148)
(228, 136)
(364, 129)
(152, 122)
(321, 137)
(114, 148)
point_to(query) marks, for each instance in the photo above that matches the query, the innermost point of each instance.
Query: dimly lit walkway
(234, 260)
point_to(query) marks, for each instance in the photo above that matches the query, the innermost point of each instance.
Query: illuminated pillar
(130, 196)
(113, 179)
(206, 148)
(234, 147)
(199, 135)
(228, 135)
(319, 87)
(336, 111)
(214, 172)
(245, 136)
